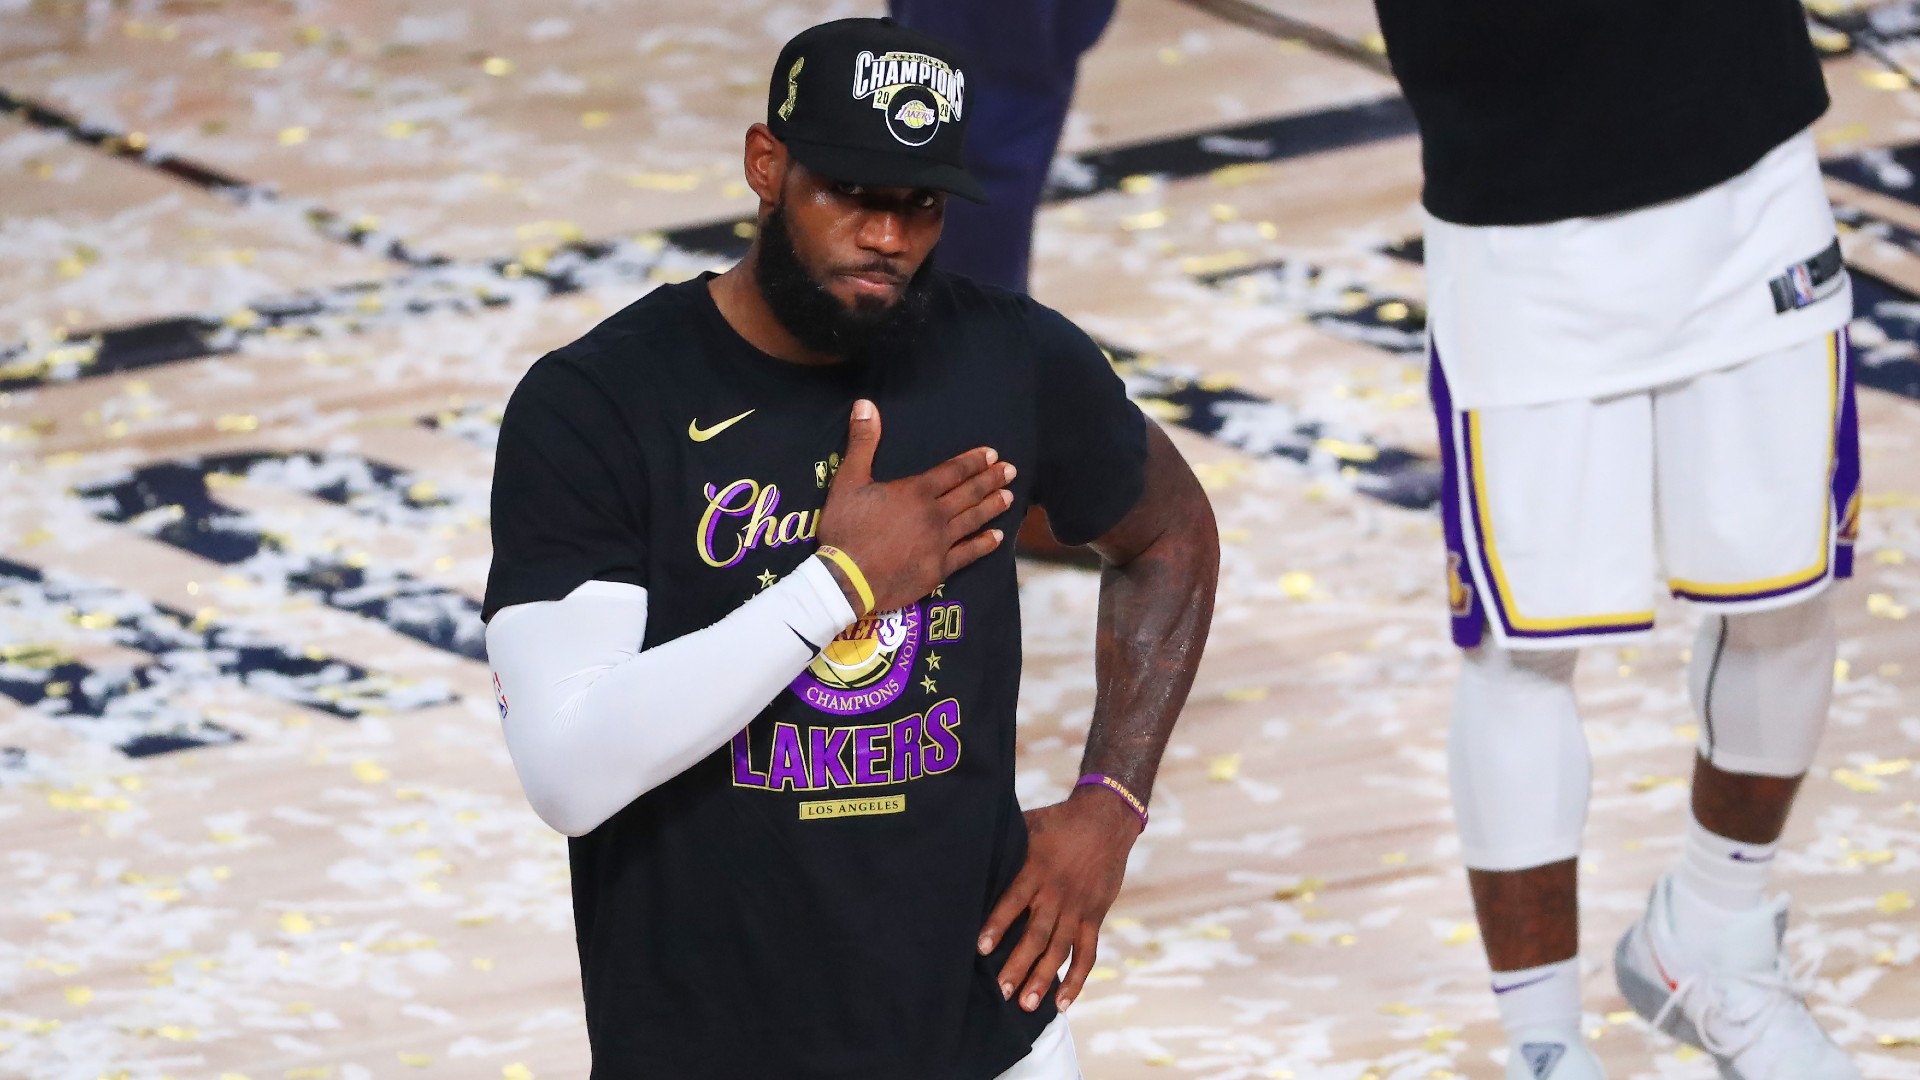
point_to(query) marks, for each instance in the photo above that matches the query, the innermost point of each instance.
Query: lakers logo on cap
(916, 93)
(916, 115)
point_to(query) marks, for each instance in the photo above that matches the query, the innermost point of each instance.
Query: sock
(1539, 1000)
(1717, 878)
(1727, 874)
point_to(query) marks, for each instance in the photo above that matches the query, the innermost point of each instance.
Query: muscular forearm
(1156, 604)
(1155, 611)
(593, 722)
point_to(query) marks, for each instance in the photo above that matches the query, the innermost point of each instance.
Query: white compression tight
(1519, 765)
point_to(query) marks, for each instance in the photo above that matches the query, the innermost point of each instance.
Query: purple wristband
(1118, 788)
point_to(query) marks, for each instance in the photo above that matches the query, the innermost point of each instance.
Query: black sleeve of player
(565, 509)
(1093, 440)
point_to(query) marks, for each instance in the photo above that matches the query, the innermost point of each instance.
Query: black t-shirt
(804, 902)
(1540, 110)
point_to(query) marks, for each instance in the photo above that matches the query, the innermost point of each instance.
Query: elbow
(566, 816)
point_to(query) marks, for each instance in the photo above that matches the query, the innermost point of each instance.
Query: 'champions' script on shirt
(765, 525)
(866, 755)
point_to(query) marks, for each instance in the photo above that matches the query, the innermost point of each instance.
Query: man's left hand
(1076, 859)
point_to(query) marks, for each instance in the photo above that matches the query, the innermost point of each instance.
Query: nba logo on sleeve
(1802, 282)
(500, 695)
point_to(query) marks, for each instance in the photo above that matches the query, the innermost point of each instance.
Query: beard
(823, 322)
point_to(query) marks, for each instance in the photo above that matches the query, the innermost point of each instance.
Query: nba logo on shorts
(1801, 280)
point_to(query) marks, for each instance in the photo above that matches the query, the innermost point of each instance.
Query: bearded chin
(818, 319)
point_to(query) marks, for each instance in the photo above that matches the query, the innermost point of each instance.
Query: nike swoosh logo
(1498, 989)
(1741, 856)
(699, 434)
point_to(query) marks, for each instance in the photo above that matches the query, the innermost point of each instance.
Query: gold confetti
(652, 181)
(58, 916)
(1461, 934)
(497, 66)
(1223, 768)
(1648, 783)
(1853, 781)
(1347, 451)
(1160, 1059)
(1376, 44)
(77, 995)
(176, 1033)
(257, 61)
(311, 35)
(1247, 693)
(1151, 219)
(1898, 1040)
(1885, 80)
(595, 118)
(1296, 585)
(483, 963)
(414, 1061)
(400, 129)
(234, 422)
(1398, 1008)
(516, 1071)
(368, 772)
(1214, 264)
(1235, 175)
(1895, 902)
(1887, 768)
(1890, 556)
(1882, 605)
(294, 922)
(1841, 669)
(1394, 858)
(293, 136)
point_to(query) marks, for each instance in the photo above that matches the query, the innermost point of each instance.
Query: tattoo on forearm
(1155, 610)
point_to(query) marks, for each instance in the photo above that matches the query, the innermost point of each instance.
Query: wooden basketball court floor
(269, 269)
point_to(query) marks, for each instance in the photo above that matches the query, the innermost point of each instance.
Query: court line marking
(130, 705)
(174, 503)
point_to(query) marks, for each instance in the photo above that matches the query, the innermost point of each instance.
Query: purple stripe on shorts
(1463, 600)
(1846, 463)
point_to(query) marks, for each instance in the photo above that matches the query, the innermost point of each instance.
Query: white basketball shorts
(1742, 484)
(1052, 1056)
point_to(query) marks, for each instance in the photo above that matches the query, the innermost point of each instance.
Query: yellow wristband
(852, 569)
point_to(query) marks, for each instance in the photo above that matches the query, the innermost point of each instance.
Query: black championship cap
(868, 101)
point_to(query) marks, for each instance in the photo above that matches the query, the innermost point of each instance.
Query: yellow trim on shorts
(1818, 570)
(1504, 596)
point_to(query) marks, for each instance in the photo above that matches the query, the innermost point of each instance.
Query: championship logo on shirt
(915, 92)
(867, 667)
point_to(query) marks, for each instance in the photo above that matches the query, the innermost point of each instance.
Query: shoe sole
(1648, 997)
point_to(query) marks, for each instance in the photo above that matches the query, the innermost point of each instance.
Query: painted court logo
(915, 92)
(867, 667)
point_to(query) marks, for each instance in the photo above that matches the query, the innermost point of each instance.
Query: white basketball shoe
(1733, 997)
(1551, 1056)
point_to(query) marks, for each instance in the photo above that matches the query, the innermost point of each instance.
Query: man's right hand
(911, 534)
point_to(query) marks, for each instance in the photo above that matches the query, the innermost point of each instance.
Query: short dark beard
(818, 319)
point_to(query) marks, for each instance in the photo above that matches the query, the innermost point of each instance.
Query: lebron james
(758, 655)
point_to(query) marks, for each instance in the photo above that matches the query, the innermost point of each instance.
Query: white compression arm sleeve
(593, 721)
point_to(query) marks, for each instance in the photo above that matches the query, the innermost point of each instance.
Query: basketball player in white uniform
(1641, 372)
